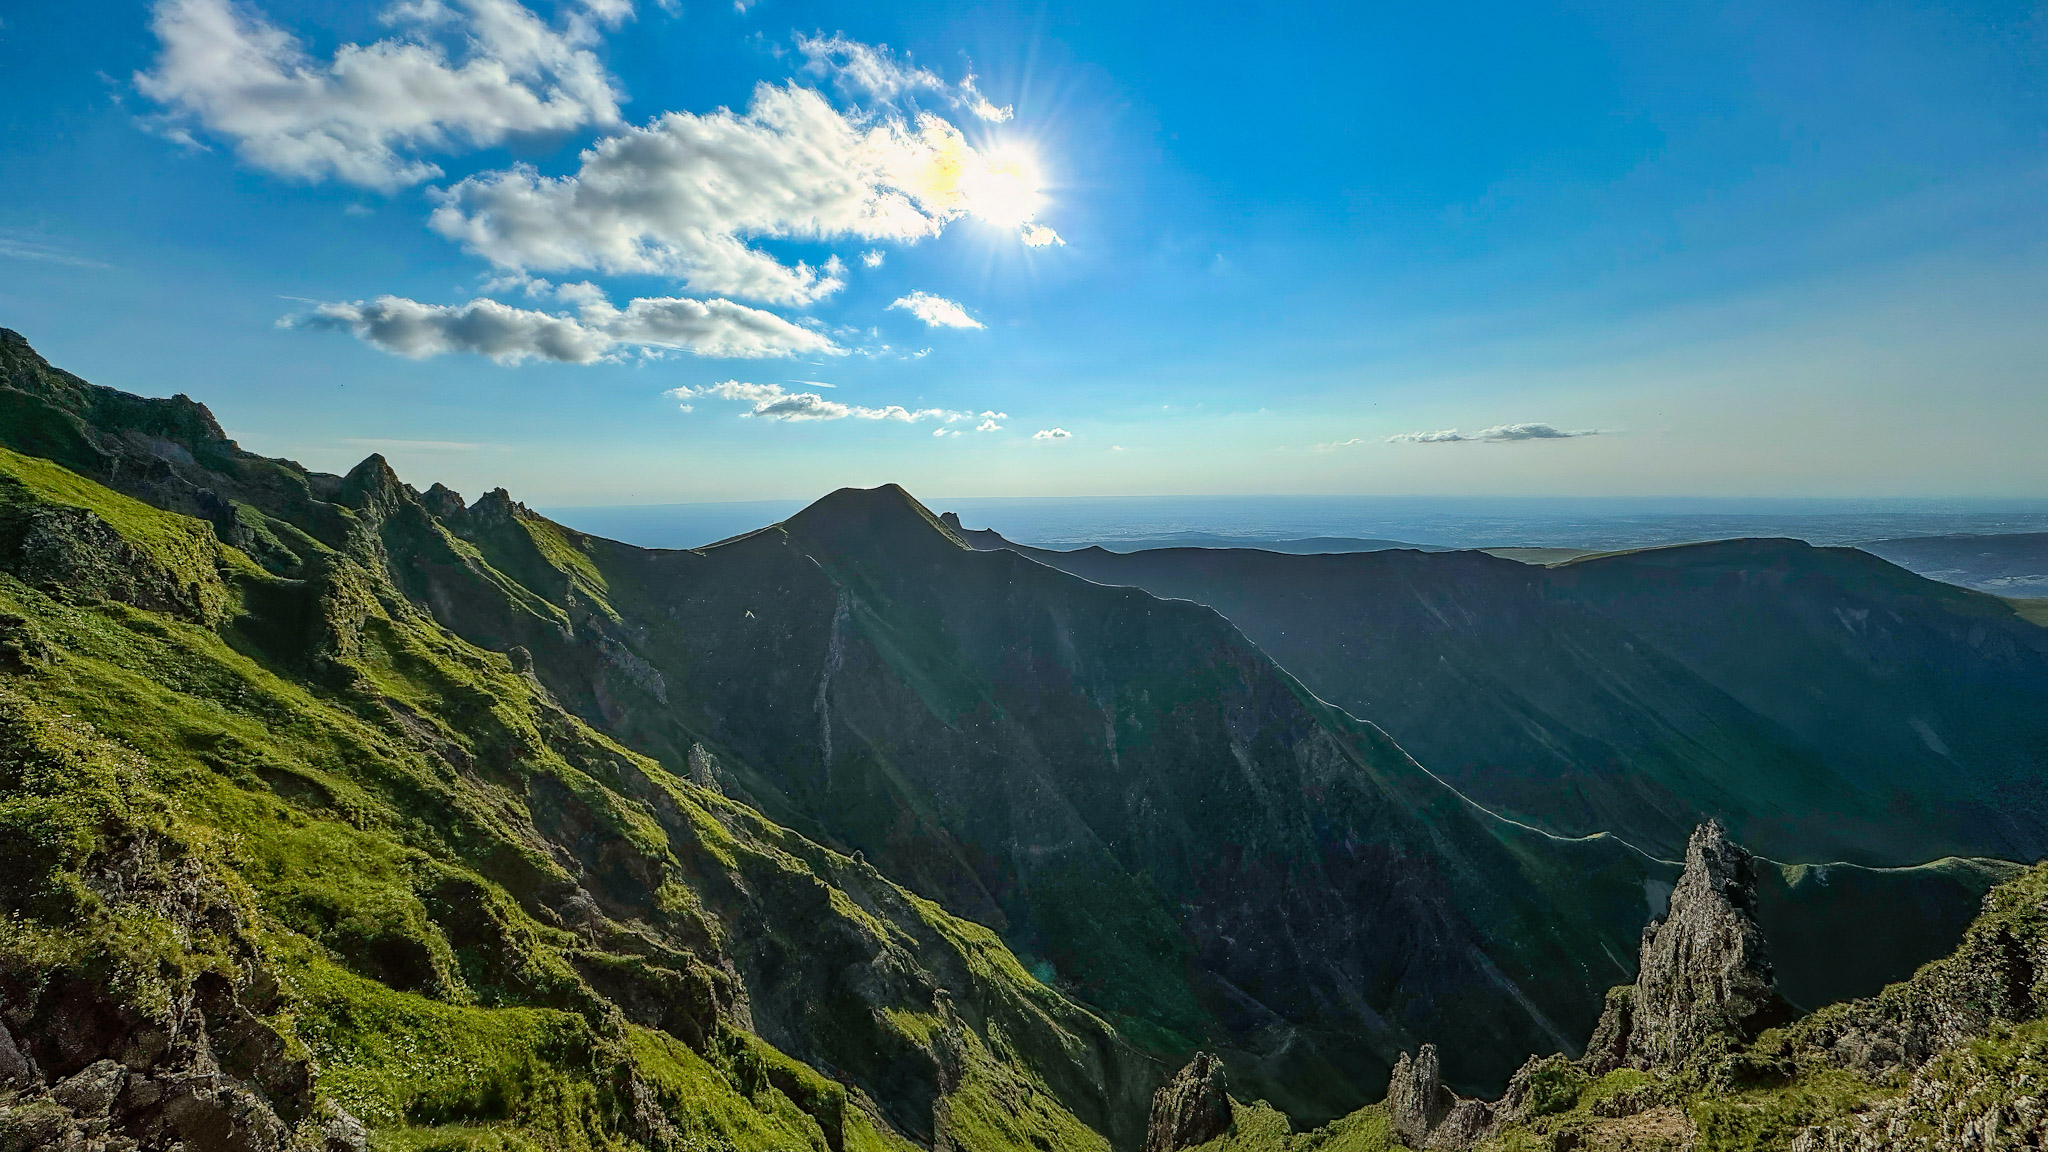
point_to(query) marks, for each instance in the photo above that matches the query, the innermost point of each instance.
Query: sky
(631, 251)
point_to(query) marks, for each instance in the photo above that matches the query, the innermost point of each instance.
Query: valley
(341, 814)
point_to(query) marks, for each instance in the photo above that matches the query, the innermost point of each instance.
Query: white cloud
(1051, 434)
(936, 311)
(772, 402)
(718, 328)
(1498, 434)
(874, 71)
(990, 421)
(872, 257)
(687, 195)
(366, 115)
(1040, 236)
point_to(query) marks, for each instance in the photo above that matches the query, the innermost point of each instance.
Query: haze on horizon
(618, 252)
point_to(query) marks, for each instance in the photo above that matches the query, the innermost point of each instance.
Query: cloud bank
(508, 335)
(686, 196)
(365, 115)
(1498, 434)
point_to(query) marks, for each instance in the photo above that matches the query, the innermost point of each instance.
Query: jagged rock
(1469, 1122)
(1608, 1048)
(444, 502)
(91, 1092)
(1417, 1100)
(1704, 970)
(1193, 1108)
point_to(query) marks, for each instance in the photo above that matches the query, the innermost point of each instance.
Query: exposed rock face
(1704, 971)
(1416, 1097)
(1192, 1108)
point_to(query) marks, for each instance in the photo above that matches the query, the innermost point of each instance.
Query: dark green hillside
(379, 870)
(1823, 703)
(691, 772)
(1168, 826)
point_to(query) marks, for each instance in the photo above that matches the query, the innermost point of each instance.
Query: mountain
(2011, 564)
(1825, 704)
(837, 834)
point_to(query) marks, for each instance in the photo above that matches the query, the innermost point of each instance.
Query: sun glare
(1005, 188)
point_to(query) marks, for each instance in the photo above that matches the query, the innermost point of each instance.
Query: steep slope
(1161, 821)
(1169, 825)
(291, 861)
(1808, 697)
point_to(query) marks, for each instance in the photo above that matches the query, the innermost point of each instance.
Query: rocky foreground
(1702, 1053)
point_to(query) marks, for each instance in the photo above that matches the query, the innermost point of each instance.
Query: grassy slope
(2033, 610)
(963, 715)
(375, 821)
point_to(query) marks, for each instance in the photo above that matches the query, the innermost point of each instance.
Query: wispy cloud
(874, 71)
(936, 311)
(1498, 434)
(366, 115)
(773, 402)
(14, 247)
(508, 335)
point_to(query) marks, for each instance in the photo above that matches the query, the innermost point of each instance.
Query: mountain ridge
(1526, 686)
(1169, 826)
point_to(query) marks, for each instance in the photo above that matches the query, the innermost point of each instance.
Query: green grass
(1258, 1127)
(2034, 610)
(380, 831)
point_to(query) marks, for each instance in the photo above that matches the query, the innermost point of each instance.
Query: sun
(1004, 186)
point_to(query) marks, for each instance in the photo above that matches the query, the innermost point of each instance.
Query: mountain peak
(373, 483)
(886, 514)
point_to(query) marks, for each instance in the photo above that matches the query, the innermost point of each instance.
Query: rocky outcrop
(1192, 1108)
(80, 1070)
(1704, 972)
(1417, 1100)
(1703, 983)
(1426, 1114)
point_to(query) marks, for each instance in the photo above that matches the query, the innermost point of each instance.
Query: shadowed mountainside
(1822, 702)
(1158, 820)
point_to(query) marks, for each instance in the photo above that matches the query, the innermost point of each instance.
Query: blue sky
(605, 252)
